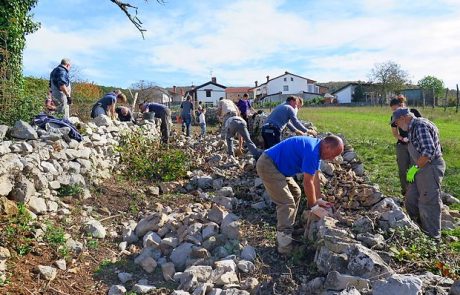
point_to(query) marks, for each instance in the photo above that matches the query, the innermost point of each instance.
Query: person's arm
(395, 132)
(297, 124)
(310, 187)
(112, 111)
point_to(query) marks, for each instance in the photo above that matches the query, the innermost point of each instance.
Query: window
(292, 79)
(285, 88)
(208, 93)
(285, 79)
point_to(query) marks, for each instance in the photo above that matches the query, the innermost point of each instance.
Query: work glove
(69, 100)
(410, 176)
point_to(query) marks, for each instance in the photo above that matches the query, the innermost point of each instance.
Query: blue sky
(242, 41)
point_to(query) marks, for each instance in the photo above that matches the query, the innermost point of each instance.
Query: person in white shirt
(202, 121)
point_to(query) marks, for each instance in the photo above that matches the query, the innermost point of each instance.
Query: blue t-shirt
(108, 100)
(298, 154)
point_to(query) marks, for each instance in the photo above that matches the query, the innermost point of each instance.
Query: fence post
(456, 109)
(445, 99)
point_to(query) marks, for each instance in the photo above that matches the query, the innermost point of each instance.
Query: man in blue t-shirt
(277, 166)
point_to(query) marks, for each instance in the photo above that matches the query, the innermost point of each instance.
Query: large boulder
(23, 130)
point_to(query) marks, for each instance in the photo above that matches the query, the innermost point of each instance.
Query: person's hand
(298, 132)
(320, 202)
(410, 176)
(405, 139)
(69, 100)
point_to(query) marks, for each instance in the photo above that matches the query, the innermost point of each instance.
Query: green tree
(432, 83)
(390, 76)
(16, 22)
(358, 94)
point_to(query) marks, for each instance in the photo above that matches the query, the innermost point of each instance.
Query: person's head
(330, 147)
(142, 106)
(398, 102)
(292, 101)
(299, 103)
(402, 118)
(200, 102)
(121, 98)
(124, 111)
(189, 98)
(65, 62)
(221, 98)
(245, 96)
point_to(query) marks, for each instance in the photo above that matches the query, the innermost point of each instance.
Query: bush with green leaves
(72, 190)
(18, 233)
(144, 157)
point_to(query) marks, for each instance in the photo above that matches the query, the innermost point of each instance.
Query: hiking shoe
(284, 241)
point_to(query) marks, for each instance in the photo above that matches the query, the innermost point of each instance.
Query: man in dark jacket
(60, 88)
(162, 112)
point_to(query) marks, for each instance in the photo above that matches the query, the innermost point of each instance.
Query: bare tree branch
(127, 8)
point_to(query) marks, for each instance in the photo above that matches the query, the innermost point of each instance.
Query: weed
(18, 233)
(93, 244)
(408, 245)
(145, 158)
(73, 190)
(63, 251)
(54, 235)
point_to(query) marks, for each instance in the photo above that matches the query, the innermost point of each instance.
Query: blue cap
(398, 114)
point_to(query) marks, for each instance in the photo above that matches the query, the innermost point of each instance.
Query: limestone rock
(336, 281)
(48, 272)
(398, 285)
(95, 228)
(117, 290)
(23, 130)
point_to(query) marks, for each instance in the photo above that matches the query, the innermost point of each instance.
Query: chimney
(213, 80)
(268, 78)
(174, 89)
(257, 83)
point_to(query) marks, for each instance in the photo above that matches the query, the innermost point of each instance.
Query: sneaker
(284, 241)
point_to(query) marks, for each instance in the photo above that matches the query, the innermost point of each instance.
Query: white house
(284, 85)
(209, 93)
(347, 92)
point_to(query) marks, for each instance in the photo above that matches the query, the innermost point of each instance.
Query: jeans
(187, 119)
(203, 128)
(271, 135)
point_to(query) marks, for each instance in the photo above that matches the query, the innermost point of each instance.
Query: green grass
(367, 129)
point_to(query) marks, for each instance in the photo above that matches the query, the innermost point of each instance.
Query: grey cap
(398, 114)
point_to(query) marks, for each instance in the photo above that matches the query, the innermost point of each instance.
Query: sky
(241, 41)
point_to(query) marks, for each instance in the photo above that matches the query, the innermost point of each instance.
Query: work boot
(284, 241)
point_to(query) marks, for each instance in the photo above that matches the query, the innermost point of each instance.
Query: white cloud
(243, 41)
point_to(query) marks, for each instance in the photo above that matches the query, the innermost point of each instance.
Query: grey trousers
(165, 126)
(240, 127)
(423, 198)
(404, 163)
(60, 101)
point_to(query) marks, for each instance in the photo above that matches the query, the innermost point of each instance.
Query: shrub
(73, 190)
(18, 233)
(144, 157)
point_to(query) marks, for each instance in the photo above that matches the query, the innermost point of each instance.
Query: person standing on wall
(60, 88)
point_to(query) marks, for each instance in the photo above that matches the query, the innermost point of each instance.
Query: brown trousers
(283, 191)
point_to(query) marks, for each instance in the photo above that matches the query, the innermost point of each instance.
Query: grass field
(367, 129)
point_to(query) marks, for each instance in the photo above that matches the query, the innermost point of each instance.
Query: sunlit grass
(368, 131)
